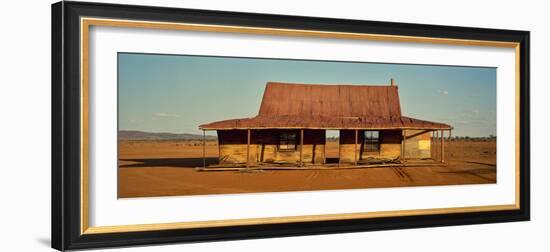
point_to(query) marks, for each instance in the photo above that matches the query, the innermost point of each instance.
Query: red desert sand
(167, 168)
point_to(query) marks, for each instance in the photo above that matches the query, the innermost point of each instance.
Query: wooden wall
(390, 145)
(264, 147)
(347, 145)
(418, 144)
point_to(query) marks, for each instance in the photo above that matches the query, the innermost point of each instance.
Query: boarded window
(371, 141)
(287, 141)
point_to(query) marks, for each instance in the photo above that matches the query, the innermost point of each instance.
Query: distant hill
(142, 135)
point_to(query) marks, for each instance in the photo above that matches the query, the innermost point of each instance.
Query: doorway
(332, 146)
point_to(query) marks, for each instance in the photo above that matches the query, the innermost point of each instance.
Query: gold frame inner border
(85, 24)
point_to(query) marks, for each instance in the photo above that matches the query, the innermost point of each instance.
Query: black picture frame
(66, 141)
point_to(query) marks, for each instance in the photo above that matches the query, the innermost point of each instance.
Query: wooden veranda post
(403, 142)
(325, 149)
(450, 139)
(339, 147)
(432, 143)
(442, 147)
(355, 157)
(203, 148)
(248, 148)
(436, 151)
(301, 147)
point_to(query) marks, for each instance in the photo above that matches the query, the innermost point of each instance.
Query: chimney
(392, 82)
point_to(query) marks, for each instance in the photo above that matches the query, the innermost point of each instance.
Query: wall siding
(390, 145)
(418, 144)
(264, 147)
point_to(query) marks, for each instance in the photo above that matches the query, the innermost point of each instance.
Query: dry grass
(166, 168)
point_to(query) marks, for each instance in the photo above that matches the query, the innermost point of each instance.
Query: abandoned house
(291, 127)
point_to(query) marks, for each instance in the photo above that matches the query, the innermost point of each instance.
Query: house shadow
(169, 162)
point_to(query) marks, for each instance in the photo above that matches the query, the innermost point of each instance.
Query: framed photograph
(181, 125)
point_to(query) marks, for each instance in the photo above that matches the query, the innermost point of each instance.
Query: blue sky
(176, 93)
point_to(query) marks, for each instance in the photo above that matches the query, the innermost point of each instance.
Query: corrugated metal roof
(313, 100)
(314, 106)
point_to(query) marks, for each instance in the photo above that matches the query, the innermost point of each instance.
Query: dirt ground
(167, 168)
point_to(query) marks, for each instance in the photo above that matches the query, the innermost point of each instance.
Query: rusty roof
(315, 106)
(313, 100)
